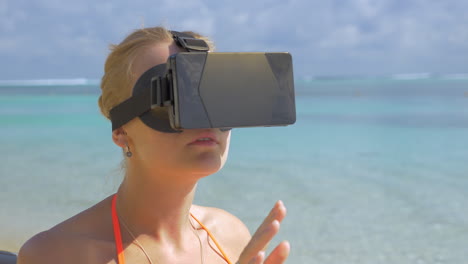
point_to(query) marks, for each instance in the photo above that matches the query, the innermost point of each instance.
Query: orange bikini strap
(117, 235)
(212, 238)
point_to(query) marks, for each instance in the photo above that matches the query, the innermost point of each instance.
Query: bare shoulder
(229, 230)
(84, 238)
(43, 248)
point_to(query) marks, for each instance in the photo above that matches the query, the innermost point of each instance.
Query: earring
(127, 151)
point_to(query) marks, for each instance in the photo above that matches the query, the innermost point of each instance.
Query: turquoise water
(374, 171)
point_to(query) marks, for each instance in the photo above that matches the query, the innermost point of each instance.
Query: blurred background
(374, 171)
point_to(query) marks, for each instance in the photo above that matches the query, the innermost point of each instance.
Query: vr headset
(201, 89)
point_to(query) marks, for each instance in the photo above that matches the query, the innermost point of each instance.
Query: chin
(203, 173)
(205, 170)
(207, 166)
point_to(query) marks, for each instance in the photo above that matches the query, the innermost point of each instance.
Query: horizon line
(398, 76)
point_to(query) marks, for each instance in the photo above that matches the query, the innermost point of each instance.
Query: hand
(254, 252)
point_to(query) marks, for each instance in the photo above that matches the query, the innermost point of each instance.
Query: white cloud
(204, 25)
(67, 7)
(369, 8)
(240, 19)
(348, 35)
(3, 7)
(320, 34)
(105, 8)
(9, 19)
(182, 5)
(7, 44)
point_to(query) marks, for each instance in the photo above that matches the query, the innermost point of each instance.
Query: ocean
(375, 170)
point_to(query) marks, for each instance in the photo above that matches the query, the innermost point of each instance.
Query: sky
(46, 39)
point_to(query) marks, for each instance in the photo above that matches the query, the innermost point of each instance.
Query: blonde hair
(118, 77)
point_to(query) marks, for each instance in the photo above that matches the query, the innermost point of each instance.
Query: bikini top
(118, 235)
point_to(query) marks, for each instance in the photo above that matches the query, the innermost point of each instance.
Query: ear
(119, 136)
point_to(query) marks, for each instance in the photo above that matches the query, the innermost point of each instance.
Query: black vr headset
(201, 89)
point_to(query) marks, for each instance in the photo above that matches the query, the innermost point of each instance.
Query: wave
(434, 76)
(411, 76)
(455, 76)
(392, 77)
(302, 79)
(50, 82)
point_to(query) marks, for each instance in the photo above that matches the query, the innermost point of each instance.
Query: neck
(156, 206)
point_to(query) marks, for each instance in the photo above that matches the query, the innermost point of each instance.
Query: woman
(151, 218)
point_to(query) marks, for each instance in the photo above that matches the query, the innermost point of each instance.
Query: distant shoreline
(299, 80)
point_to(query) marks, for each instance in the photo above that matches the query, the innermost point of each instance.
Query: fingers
(278, 212)
(258, 259)
(279, 254)
(267, 230)
(262, 237)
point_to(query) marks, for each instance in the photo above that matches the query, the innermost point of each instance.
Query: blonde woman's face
(183, 153)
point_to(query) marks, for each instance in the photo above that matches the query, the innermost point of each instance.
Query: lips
(206, 138)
